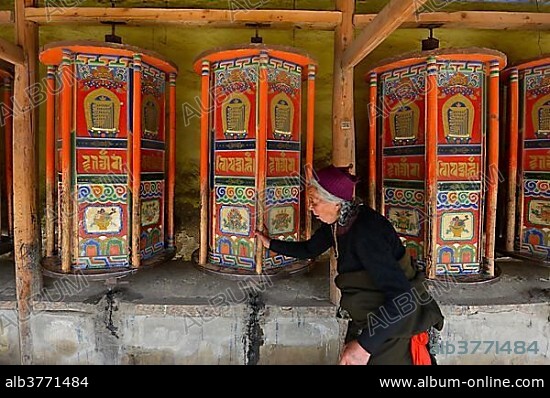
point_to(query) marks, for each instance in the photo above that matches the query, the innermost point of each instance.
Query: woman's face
(327, 212)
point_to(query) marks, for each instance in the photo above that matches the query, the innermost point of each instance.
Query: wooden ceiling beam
(320, 20)
(499, 20)
(11, 53)
(326, 20)
(386, 22)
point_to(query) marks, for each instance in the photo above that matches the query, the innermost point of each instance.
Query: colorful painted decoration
(527, 138)
(112, 145)
(253, 137)
(429, 123)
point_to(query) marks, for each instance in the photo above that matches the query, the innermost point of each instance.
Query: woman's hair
(326, 195)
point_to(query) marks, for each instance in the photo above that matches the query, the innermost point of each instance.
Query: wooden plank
(6, 18)
(385, 23)
(321, 20)
(305, 19)
(499, 20)
(25, 182)
(11, 53)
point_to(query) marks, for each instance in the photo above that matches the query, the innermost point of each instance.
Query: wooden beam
(25, 182)
(321, 20)
(11, 53)
(343, 129)
(499, 20)
(385, 23)
(6, 18)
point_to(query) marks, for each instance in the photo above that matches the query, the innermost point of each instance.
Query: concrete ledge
(521, 325)
(177, 315)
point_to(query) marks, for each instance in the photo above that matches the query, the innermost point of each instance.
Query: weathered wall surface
(524, 326)
(112, 332)
(9, 334)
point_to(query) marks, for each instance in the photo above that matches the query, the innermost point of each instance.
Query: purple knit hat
(337, 181)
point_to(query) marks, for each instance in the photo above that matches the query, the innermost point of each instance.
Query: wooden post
(50, 162)
(492, 167)
(26, 229)
(8, 158)
(261, 154)
(136, 164)
(512, 160)
(343, 133)
(171, 162)
(373, 93)
(310, 137)
(205, 133)
(66, 161)
(431, 169)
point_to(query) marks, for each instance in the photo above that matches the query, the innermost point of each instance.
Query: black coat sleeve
(375, 251)
(320, 242)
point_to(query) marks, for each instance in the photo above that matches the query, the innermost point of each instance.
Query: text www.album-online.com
(482, 382)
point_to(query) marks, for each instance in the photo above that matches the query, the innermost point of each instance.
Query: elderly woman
(383, 294)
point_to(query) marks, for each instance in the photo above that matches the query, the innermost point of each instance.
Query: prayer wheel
(251, 172)
(110, 154)
(433, 155)
(527, 198)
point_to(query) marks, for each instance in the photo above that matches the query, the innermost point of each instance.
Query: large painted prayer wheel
(251, 156)
(107, 107)
(6, 145)
(527, 230)
(434, 153)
